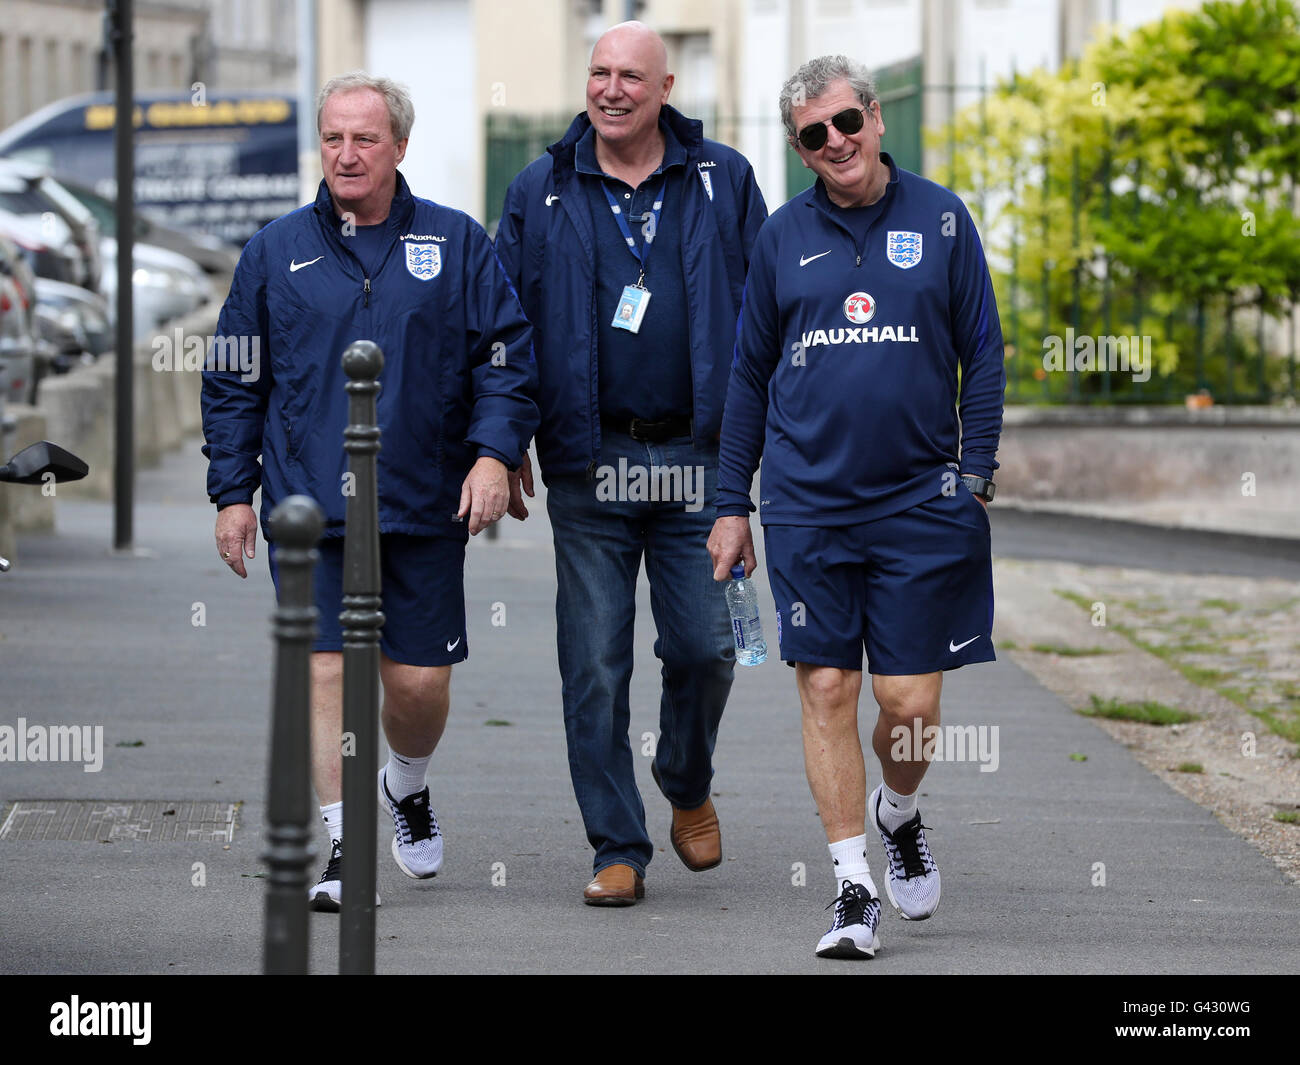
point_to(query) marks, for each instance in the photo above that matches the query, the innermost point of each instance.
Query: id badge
(631, 308)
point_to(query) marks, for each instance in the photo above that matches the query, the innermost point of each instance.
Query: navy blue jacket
(847, 360)
(458, 382)
(545, 241)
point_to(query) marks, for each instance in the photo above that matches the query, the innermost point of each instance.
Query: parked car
(59, 346)
(30, 192)
(18, 330)
(166, 286)
(85, 315)
(58, 260)
(215, 256)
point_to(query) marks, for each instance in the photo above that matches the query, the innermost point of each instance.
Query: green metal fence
(513, 141)
(1073, 315)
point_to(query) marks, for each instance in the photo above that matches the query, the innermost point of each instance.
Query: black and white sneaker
(326, 896)
(417, 840)
(853, 932)
(913, 881)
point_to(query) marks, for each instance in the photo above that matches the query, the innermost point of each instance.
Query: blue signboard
(226, 164)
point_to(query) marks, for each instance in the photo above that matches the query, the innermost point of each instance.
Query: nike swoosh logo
(805, 262)
(295, 267)
(959, 646)
(452, 646)
(551, 198)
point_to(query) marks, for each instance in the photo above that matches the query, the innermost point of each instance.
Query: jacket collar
(688, 131)
(821, 200)
(400, 211)
(585, 161)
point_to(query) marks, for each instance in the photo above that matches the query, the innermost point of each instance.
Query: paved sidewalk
(1240, 516)
(91, 639)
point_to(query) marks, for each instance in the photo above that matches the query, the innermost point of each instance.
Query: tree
(1147, 188)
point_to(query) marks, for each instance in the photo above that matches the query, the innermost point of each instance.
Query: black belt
(648, 432)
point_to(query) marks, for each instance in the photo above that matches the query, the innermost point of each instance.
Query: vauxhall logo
(860, 308)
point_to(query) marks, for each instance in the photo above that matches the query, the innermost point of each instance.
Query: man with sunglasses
(867, 302)
(628, 244)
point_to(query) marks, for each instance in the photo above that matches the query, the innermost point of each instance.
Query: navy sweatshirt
(848, 352)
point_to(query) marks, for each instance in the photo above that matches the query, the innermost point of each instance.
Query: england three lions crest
(903, 249)
(423, 261)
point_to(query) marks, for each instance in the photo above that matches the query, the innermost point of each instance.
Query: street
(86, 638)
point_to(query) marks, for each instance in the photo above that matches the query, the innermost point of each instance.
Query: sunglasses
(849, 121)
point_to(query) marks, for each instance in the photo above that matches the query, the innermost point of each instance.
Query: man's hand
(521, 478)
(236, 535)
(730, 542)
(485, 494)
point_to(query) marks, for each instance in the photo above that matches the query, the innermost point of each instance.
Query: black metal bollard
(296, 526)
(362, 619)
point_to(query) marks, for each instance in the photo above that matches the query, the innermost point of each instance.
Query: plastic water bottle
(742, 602)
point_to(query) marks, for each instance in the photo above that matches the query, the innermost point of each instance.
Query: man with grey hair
(368, 260)
(868, 377)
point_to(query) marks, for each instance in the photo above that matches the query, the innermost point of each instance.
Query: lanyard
(620, 216)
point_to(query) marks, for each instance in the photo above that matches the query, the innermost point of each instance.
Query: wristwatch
(980, 486)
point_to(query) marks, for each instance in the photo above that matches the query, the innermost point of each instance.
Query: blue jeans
(601, 528)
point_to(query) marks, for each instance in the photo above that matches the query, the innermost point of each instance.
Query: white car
(165, 285)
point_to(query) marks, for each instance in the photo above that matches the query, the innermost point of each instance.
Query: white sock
(405, 776)
(332, 815)
(895, 809)
(850, 859)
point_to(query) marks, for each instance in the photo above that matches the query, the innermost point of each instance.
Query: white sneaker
(417, 840)
(853, 932)
(913, 881)
(326, 896)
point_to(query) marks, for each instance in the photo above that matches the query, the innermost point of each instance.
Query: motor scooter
(41, 463)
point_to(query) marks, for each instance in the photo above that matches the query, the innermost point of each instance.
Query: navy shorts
(915, 589)
(422, 585)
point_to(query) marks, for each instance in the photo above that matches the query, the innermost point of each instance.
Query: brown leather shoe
(696, 837)
(615, 885)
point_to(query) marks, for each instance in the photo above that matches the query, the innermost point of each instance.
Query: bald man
(628, 243)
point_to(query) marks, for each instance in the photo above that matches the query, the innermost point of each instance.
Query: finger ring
(225, 554)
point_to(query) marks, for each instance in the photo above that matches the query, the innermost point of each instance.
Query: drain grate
(104, 820)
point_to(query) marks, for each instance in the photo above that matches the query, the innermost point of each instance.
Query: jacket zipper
(681, 252)
(593, 396)
(365, 286)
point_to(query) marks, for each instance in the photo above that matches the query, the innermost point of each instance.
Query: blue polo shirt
(646, 374)
(370, 246)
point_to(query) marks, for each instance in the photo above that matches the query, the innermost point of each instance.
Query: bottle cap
(738, 571)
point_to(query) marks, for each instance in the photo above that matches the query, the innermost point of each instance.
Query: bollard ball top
(363, 360)
(297, 522)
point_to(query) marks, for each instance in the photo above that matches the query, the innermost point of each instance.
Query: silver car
(30, 192)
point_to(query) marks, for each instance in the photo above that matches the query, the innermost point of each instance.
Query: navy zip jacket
(847, 356)
(458, 382)
(546, 242)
